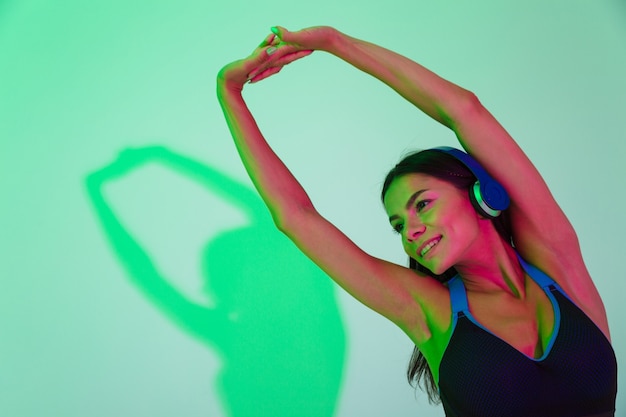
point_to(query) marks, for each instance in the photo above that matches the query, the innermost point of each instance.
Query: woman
(521, 329)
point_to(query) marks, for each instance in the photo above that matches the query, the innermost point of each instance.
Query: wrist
(333, 42)
(227, 88)
(340, 44)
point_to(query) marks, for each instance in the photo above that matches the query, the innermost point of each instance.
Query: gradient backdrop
(141, 276)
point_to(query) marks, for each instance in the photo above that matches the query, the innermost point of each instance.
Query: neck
(492, 266)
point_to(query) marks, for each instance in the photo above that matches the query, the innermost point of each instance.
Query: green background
(140, 275)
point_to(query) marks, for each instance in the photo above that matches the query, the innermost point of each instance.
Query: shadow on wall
(275, 324)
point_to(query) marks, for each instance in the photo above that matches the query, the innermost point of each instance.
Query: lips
(427, 246)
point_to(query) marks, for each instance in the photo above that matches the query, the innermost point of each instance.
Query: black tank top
(481, 375)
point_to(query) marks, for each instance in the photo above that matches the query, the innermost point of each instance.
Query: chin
(433, 268)
(439, 268)
(436, 268)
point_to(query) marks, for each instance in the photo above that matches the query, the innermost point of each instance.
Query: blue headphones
(487, 195)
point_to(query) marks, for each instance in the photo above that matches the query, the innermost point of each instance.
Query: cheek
(467, 226)
(461, 223)
(406, 247)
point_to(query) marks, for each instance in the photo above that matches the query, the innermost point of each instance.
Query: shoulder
(565, 265)
(427, 328)
(413, 301)
(429, 310)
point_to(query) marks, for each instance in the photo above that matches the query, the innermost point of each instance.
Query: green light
(275, 323)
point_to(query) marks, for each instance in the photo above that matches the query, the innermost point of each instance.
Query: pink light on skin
(437, 223)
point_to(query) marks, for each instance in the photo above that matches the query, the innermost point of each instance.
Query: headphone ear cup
(477, 197)
(487, 195)
(494, 195)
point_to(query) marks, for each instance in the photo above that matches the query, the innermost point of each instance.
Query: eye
(397, 228)
(420, 205)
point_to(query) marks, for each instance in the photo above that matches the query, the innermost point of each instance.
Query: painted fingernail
(275, 30)
(271, 50)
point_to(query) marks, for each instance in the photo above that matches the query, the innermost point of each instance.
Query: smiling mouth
(429, 246)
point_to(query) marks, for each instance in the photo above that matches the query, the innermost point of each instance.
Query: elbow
(466, 106)
(281, 221)
(469, 107)
(289, 220)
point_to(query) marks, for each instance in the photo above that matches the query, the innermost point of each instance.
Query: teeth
(429, 247)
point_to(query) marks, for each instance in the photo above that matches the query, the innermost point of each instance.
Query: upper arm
(396, 292)
(537, 220)
(542, 234)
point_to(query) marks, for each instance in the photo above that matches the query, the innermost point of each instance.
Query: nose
(414, 230)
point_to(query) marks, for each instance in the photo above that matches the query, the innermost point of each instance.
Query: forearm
(435, 96)
(278, 188)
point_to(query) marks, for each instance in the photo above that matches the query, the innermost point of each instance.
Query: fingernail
(275, 30)
(271, 50)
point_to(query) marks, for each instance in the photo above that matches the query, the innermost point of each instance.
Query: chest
(484, 374)
(525, 324)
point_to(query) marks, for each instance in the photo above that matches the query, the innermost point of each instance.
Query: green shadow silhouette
(276, 324)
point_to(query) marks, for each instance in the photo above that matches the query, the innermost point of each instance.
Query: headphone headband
(488, 195)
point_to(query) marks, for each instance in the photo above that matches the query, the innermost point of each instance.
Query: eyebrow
(409, 203)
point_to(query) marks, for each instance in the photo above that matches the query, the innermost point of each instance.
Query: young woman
(521, 329)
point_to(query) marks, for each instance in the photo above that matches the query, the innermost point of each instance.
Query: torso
(525, 324)
(486, 354)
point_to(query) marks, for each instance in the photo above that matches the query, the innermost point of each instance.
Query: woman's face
(436, 220)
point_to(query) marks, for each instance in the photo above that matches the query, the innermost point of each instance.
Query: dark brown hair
(447, 168)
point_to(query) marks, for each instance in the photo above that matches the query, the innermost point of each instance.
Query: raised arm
(279, 189)
(541, 231)
(389, 289)
(540, 226)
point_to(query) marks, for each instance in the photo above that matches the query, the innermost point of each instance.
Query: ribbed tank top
(481, 375)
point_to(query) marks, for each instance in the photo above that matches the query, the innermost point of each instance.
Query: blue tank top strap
(458, 296)
(537, 275)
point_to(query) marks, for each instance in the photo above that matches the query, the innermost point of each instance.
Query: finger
(282, 33)
(260, 69)
(281, 61)
(262, 59)
(291, 57)
(285, 35)
(283, 57)
(269, 40)
(264, 74)
(256, 71)
(278, 30)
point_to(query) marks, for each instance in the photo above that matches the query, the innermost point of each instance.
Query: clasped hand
(277, 50)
